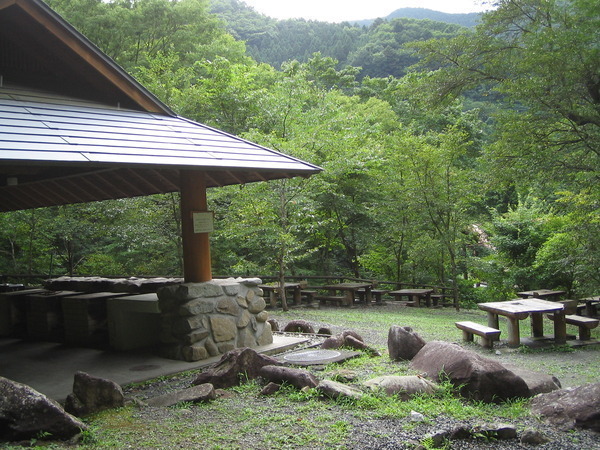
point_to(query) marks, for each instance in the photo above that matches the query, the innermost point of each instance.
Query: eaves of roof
(55, 150)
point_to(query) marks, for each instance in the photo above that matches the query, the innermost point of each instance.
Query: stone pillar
(200, 320)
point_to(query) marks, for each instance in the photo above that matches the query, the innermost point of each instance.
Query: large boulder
(403, 343)
(92, 394)
(402, 386)
(577, 407)
(27, 414)
(235, 366)
(537, 383)
(299, 378)
(477, 377)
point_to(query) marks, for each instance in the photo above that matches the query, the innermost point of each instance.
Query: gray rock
(250, 282)
(403, 343)
(92, 394)
(194, 352)
(416, 417)
(196, 394)
(223, 328)
(243, 319)
(403, 386)
(534, 437)
(270, 389)
(477, 377)
(298, 378)
(352, 333)
(26, 414)
(274, 324)
(333, 389)
(351, 342)
(299, 326)
(265, 337)
(256, 305)
(333, 342)
(229, 306)
(197, 306)
(242, 302)
(351, 339)
(577, 407)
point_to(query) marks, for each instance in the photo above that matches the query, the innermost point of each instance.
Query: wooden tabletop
(348, 286)
(541, 293)
(276, 286)
(521, 308)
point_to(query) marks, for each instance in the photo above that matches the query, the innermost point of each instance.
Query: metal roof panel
(65, 131)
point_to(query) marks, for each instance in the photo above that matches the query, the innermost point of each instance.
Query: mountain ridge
(464, 19)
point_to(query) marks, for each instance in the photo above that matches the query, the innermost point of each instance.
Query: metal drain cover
(312, 356)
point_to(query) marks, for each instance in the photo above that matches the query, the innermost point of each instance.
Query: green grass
(303, 419)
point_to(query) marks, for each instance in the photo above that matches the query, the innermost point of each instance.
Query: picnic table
(349, 292)
(517, 310)
(414, 295)
(274, 292)
(542, 294)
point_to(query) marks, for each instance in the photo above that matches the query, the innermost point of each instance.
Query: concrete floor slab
(49, 367)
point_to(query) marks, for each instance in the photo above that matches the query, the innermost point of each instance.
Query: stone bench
(585, 324)
(488, 334)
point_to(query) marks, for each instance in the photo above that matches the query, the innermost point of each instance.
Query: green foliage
(410, 166)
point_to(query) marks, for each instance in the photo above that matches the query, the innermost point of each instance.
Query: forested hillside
(375, 46)
(420, 183)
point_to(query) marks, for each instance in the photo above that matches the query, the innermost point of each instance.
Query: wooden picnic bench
(338, 300)
(376, 293)
(488, 334)
(585, 324)
(309, 295)
(589, 307)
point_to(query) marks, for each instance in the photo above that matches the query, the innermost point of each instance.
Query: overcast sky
(341, 10)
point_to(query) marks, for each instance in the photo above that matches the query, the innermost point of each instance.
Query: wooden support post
(196, 246)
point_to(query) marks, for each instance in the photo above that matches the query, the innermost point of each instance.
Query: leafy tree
(130, 31)
(519, 235)
(542, 57)
(381, 51)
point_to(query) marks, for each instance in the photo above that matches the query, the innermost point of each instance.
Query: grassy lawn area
(292, 419)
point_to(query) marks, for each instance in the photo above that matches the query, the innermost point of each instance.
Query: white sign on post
(203, 221)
